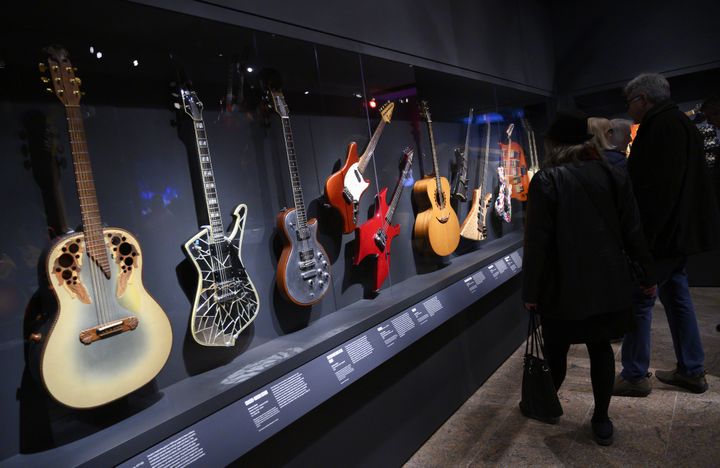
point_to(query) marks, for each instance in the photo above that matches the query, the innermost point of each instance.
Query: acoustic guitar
(303, 271)
(226, 301)
(108, 337)
(474, 226)
(437, 229)
(373, 237)
(344, 188)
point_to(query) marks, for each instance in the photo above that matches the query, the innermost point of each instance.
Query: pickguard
(226, 301)
(354, 183)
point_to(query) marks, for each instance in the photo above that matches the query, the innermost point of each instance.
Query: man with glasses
(680, 217)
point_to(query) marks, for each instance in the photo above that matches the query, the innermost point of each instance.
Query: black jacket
(574, 266)
(674, 194)
(616, 159)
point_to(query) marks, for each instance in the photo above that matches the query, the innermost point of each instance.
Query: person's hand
(531, 306)
(650, 291)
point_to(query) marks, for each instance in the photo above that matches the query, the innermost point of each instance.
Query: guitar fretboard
(370, 150)
(436, 168)
(212, 203)
(294, 173)
(481, 174)
(92, 224)
(398, 191)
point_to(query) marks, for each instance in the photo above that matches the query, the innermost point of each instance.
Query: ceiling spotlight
(135, 63)
(249, 69)
(372, 103)
(92, 49)
(99, 55)
(358, 95)
(306, 93)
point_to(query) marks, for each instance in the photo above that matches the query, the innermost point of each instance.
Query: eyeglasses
(629, 101)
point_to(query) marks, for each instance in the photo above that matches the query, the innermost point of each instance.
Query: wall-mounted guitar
(303, 272)
(503, 202)
(534, 164)
(225, 299)
(460, 178)
(515, 168)
(109, 337)
(375, 235)
(344, 188)
(474, 226)
(437, 229)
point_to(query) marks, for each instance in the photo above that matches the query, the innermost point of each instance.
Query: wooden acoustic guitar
(344, 188)
(303, 271)
(437, 229)
(515, 168)
(373, 237)
(474, 226)
(226, 301)
(109, 337)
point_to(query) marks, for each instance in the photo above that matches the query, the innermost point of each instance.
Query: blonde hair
(599, 127)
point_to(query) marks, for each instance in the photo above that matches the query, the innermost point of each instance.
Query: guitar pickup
(306, 255)
(348, 196)
(106, 330)
(307, 265)
(309, 274)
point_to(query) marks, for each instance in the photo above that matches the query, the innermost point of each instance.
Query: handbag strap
(534, 344)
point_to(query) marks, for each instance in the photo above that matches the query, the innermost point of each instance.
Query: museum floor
(668, 428)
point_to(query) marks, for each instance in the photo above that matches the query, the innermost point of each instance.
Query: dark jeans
(675, 297)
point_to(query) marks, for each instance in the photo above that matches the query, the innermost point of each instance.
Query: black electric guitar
(225, 300)
(303, 272)
(460, 179)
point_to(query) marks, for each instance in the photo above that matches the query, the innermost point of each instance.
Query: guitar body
(110, 363)
(371, 240)
(437, 230)
(516, 172)
(503, 202)
(227, 302)
(344, 188)
(303, 271)
(474, 226)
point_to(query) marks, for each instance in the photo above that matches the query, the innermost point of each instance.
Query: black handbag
(539, 398)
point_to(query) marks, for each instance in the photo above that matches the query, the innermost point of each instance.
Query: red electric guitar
(376, 234)
(515, 167)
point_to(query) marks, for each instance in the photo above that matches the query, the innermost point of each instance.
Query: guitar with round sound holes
(437, 229)
(108, 337)
(375, 235)
(303, 271)
(226, 301)
(344, 188)
(474, 226)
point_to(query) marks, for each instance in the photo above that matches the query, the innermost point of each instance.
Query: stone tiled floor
(669, 428)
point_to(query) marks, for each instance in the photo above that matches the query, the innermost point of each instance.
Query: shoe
(602, 432)
(632, 388)
(696, 384)
(546, 419)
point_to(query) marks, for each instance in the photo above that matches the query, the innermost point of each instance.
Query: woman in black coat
(581, 221)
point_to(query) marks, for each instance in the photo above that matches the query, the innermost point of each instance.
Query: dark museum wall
(505, 42)
(604, 48)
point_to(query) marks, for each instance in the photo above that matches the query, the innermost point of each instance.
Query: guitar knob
(311, 283)
(326, 275)
(324, 263)
(321, 283)
(319, 271)
(35, 337)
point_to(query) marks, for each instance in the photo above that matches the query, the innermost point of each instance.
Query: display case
(150, 161)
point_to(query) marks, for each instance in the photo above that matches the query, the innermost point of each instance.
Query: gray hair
(655, 87)
(621, 133)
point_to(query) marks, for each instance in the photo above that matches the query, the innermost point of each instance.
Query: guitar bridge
(348, 196)
(380, 240)
(91, 335)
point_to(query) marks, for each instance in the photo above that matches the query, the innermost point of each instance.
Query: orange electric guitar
(344, 188)
(437, 229)
(515, 168)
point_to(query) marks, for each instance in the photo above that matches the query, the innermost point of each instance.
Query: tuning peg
(54, 68)
(175, 95)
(45, 79)
(60, 92)
(176, 105)
(42, 67)
(49, 90)
(78, 80)
(68, 69)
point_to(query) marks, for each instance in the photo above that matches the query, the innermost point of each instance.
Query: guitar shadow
(362, 274)
(196, 357)
(288, 317)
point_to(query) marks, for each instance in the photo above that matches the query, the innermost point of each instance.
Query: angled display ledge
(274, 384)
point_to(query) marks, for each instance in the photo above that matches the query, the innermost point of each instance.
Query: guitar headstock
(191, 104)
(526, 125)
(425, 110)
(509, 130)
(277, 101)
(407, 160)
(65, 85)
(386, 111)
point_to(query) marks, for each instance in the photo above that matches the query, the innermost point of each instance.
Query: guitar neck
(398, 191)
(212, 204)
(466, 150)
(294, 173)
(481, 174)
(436, 168)
(370, 150)
(92, 224)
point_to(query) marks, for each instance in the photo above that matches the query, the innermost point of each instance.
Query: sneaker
(696, 384)
(632, 388)
(546, 419)
(602, 432)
